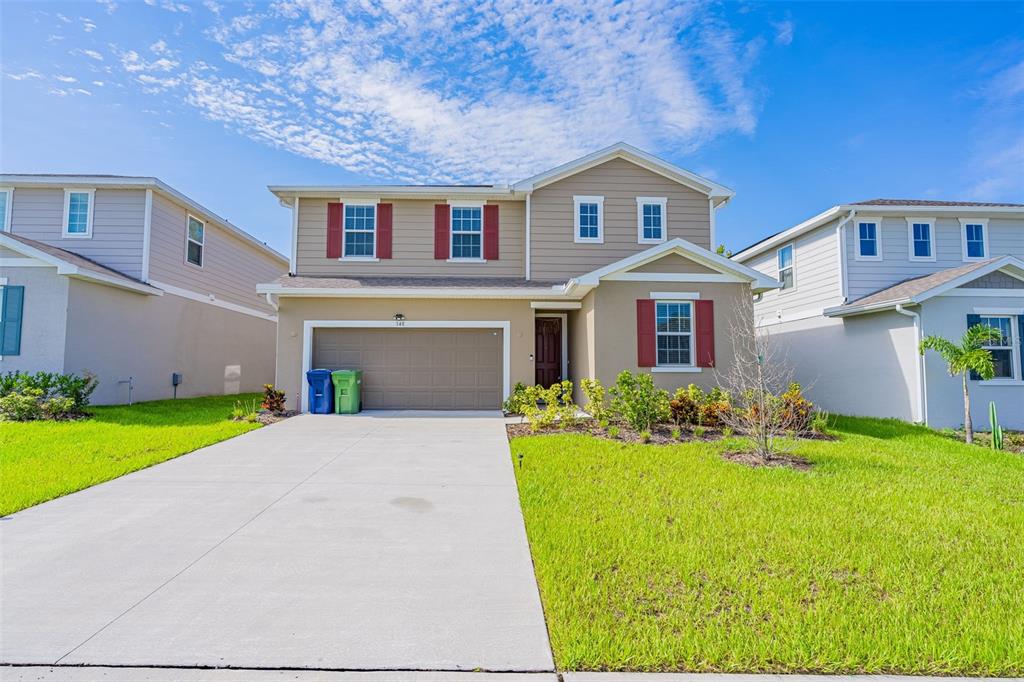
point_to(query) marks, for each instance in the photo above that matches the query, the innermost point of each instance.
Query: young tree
(967, 357)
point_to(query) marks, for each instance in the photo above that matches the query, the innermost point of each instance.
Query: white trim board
(147, 234)
(675, 295)
(673, 277)
(565, 343)
(211, 300)
(556, 305)
(309, 325)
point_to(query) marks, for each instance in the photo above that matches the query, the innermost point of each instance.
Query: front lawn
(42, 460)
(899, 551)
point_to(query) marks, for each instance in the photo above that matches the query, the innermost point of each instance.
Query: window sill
(1001, 382)
(650, 241)
(467, 260)
(970, 259)
(922, 259)
(867, 258)
(672, 369)
(585, 240)
(68, 235)
(360, 259)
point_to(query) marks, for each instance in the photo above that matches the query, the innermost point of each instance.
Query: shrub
(645, 436)
(613, 431)
(557, 406)
(594, 392)
(245, 410)
(273, 400)
(727, 432)
(516, 402)
(796, 410)
(820, 422)
(691, 405)
(698, 432)
(56, 396)
(677, 433)
(22, 405)
(636, 401)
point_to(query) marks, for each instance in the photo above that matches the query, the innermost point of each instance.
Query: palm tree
(967, 357)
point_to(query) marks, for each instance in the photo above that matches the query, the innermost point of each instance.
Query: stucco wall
(149, 337)
(947, 317)
(293, 312)
(863, 365)
(43, 318)
(615, 342)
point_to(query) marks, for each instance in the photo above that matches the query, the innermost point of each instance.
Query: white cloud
(784, 31)
(88, 25)
(91, 54)
(443, 91)
(31, 74)
(66, 79)
(170, 5)
(996, 168)
(110, 5)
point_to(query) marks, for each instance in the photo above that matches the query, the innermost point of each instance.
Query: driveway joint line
(211, 549)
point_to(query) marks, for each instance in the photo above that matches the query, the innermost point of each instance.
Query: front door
(548, 353)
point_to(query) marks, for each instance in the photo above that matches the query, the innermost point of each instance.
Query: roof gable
(621, 150)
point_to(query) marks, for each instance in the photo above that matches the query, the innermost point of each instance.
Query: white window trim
(188, 238)
(1014, 347)
(68, 191)
(692, 365)
(964, 222)
(792, 266)
(856, 238)
(576, 201)
(344, 231)
(660, 201)
(451, 232)
(6, 217)
(930, 222)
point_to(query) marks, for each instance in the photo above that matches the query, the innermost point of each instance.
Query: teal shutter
(10, 320)
(971, 321)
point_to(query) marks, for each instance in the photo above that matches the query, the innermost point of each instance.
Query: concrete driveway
(387, 541)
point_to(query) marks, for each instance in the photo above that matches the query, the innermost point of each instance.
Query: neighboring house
(128, 279)
(446, 296)
(862, 283)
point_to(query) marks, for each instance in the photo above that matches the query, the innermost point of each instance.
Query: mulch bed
(780, 460)
(266, 417)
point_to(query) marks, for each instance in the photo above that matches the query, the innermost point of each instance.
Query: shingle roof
(410, 282)
(909, 288)
(75, 259)
(929, 202)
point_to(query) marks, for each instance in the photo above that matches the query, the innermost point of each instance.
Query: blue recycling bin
(321, 391)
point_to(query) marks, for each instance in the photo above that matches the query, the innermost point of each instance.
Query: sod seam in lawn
(900, 551)
(42, 460)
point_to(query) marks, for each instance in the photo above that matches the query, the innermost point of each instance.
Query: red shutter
(335, 214)
(705, 324)
(490, 232)
(383, 230)
(646, 343)
(442, 225)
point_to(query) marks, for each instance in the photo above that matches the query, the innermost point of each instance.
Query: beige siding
(554, 252)
(412, 243)
(117, 227)
(231, 267)
(148, 337)
(816, 274)
(673, 263)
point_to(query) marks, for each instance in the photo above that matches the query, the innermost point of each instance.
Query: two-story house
(863, 283)
(446, 296)
(129, 279)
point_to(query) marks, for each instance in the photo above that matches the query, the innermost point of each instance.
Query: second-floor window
(467, 232)
(674, 330)
(975, 239)
(868, 247)
(5, 210)
(78, 213)
(195, 241)
(785, 255)
(589, 219)
(360, 231)
(921, 239)
(650, 216)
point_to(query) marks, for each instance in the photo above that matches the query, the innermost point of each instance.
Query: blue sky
(796, 106)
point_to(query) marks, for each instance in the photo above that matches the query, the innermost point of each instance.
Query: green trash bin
(346, 390)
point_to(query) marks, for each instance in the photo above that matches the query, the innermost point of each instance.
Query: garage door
(427, 369)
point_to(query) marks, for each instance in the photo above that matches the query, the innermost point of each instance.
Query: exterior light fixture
(399, 320)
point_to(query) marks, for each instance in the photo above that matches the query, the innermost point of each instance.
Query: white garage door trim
(504, 325)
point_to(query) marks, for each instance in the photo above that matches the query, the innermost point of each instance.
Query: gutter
(920, 367)
(844, 280)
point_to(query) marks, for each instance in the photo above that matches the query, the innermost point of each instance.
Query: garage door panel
(438, 369)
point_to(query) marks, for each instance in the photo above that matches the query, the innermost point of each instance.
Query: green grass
(42, 460)
(899, 551)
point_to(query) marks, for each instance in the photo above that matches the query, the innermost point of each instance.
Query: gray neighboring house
(864, 282)
(129, 279)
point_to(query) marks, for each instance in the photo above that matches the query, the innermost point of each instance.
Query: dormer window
(588, 220)
(869, 244)
(974, 235)
(921, 236)
(650, 219)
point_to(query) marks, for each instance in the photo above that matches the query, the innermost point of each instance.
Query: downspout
(528, 235)
(147, 234)
(920, 367)
(271, 301)
(844, 281)
(293, 266)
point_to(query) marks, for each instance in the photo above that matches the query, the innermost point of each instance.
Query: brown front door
(548, 353)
